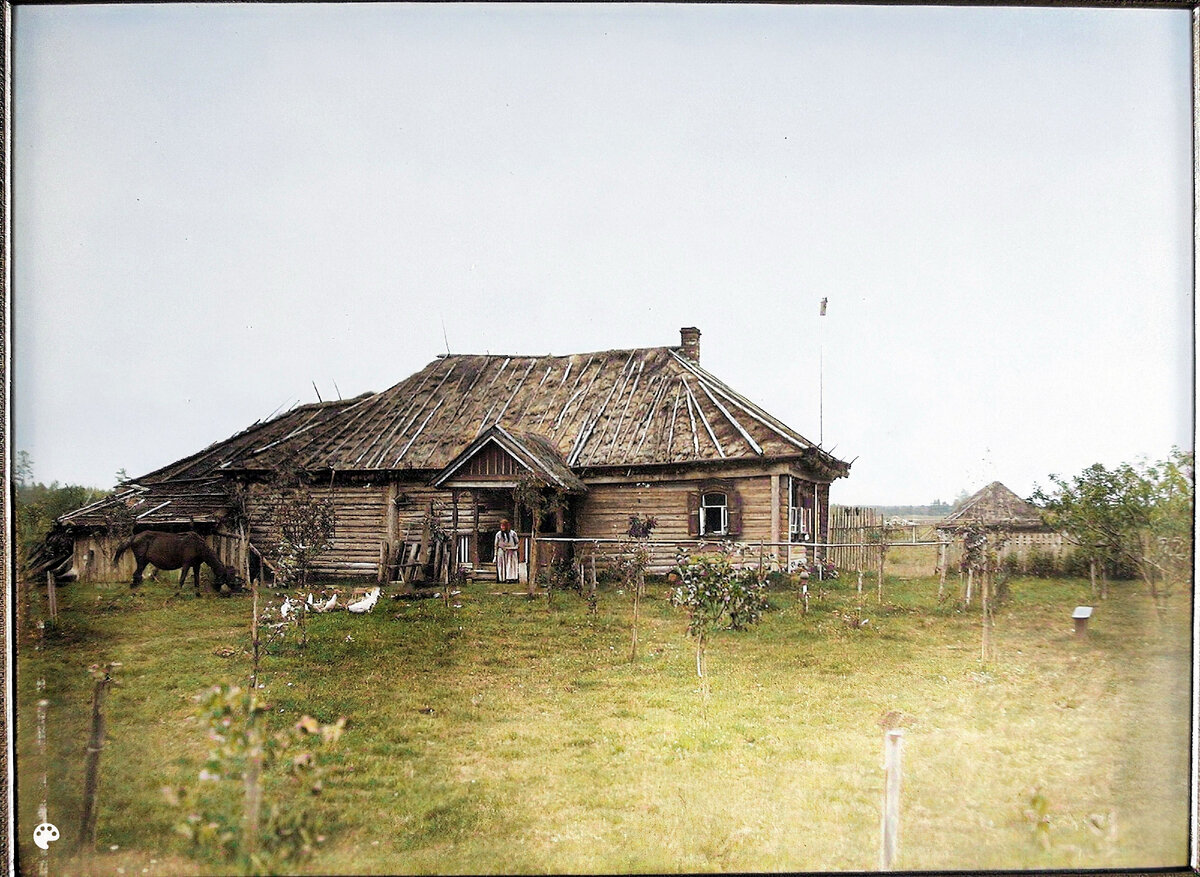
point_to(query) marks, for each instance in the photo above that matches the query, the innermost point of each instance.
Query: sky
(216, 207)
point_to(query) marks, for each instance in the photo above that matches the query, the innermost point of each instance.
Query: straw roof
(639, 407)
(564, 415)
(995, 506)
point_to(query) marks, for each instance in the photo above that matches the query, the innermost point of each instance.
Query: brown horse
(174, 551)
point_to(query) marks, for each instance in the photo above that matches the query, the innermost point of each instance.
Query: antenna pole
(821, 375)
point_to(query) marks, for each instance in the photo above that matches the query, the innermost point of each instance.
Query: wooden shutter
(735, 511)
(693, 509)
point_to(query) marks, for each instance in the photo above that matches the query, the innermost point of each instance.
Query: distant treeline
(937, 507)
(36, 505)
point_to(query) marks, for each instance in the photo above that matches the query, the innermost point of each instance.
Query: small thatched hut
(1018, 522)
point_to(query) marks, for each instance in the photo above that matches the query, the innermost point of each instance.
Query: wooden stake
(942, 558)
(52, 596)
(254, 635)
(44, 806)
(91, 769)
(893, 747)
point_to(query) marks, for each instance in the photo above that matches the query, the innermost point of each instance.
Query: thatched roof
(564, 415)
(639, 407)
(188, 501)
(995, 506)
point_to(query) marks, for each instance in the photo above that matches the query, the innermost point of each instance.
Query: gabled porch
(483, 480)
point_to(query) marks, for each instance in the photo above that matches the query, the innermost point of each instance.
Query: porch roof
(531, 452)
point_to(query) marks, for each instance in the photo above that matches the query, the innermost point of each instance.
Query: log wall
(604, 513)
(361, 523)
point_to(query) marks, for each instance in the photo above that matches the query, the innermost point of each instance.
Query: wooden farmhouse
(439, 456)
(1019, 523)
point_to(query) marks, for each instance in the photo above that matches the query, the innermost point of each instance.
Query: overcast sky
(217, 205)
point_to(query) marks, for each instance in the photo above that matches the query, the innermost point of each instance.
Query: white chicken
(288, 607)
(328, 606)
(366, 604)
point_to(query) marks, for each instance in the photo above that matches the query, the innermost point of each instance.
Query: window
(714, 514)
(714, 509)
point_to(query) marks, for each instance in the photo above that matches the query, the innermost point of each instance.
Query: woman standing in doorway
(506, 553)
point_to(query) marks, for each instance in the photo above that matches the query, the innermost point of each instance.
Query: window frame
(705, 506)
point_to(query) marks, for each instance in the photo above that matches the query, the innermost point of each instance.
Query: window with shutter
(714, 510)
(714, 514)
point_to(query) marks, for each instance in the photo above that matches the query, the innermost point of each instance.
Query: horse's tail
(121, 549)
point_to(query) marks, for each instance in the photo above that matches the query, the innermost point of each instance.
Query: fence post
(942, 560)
(52, 596)
(91, 770)
(893, 747)
(44, 806)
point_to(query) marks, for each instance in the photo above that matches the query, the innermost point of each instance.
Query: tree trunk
(637, 599)
(531, 565)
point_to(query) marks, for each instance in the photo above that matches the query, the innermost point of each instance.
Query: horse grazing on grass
(174, 551)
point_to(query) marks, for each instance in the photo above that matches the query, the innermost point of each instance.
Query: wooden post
(52, 596)
(893, 748)
(44, 806)
(454, 531)
(383, 561)
(970, 580)
(942, 559)
(986, 644)
(776, 505)
(475, 530)
(254, 634)
(91, 770)
(882, 552)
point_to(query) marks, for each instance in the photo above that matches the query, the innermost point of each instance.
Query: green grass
(500, 737)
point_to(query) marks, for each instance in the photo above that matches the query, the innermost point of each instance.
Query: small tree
(539, 499)
(302, 528)
(714, 587)
(635, 560)
(244, 753)
(1140, 515)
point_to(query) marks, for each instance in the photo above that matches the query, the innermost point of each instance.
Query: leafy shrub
(712, 587)
(242, 757)
(1042, 564)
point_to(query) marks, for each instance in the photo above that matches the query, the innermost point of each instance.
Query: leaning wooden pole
(91, 767)
(52, 596)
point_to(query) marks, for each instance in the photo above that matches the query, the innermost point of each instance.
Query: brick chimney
(689, 340)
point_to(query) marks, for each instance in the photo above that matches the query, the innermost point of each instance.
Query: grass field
(503, 737)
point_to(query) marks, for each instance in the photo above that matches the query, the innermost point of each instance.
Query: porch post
(475, 528)
(454, 530)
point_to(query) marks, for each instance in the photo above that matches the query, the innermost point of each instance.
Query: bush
(1041, 564)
